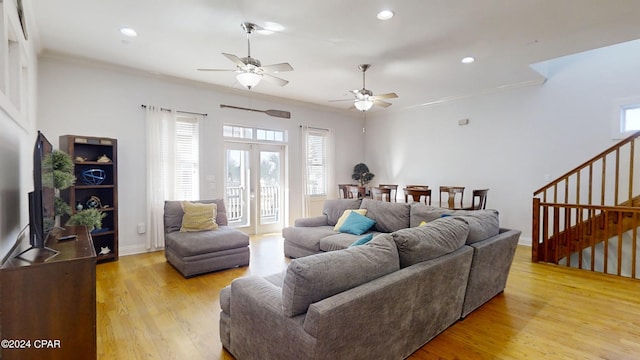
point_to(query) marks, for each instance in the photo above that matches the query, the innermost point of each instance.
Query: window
(256, 134)
(317, 162)
(186, 158)
(630, 118)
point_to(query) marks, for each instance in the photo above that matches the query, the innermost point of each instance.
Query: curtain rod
(185, 112)
(314, 128)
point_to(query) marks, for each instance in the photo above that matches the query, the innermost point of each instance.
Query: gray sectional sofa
(381, 300)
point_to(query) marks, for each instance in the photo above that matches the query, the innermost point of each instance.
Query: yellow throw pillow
(198, 216)
(345, 215)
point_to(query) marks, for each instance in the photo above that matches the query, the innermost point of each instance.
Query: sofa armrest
(490, 267)
(259, 329)
(312, 221)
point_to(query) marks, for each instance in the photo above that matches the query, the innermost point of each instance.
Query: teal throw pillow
(363, 240)
(356, 224)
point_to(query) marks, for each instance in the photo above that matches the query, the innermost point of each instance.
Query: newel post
(535, 230)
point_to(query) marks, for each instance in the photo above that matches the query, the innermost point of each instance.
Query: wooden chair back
(417, 194)
(342, 190)
(393, 188)
(355, 192)
(381, 193)
(478, 199)
(452, 192)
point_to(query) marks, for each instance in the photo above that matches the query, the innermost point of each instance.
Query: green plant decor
(91, 218)
(362, 174)
(63, 167)
(63, 178)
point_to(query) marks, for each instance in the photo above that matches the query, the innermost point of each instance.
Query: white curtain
(160, 124)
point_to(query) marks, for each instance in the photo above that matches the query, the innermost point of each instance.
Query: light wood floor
(147, 310)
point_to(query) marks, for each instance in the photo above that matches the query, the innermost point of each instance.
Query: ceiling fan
(365, 99)
(249, 71)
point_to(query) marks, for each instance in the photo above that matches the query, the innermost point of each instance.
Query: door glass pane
(270, 187)
(238, 189)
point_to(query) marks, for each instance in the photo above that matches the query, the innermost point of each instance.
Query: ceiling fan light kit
(248, 79)
(363, 105)
(249, 71)
(365, 99)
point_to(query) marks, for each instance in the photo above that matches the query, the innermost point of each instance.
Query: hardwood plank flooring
(147, 310)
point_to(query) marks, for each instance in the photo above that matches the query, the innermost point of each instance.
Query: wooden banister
(567, 224)
(601, 155)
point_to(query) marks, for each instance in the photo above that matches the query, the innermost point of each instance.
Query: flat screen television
(41, 203)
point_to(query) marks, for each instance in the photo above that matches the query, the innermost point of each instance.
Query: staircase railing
(582, 215)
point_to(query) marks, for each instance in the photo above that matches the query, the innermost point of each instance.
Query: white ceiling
(415, 54)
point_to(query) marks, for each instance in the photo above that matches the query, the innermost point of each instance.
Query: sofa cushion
(389, 217)
(483, 224)
(356, 224)
(316, 277)
(345, 215)
(198, 217)
(307, 237)
(339, 241)
(334, 208)
(421, 212)
(186, 244)
(434, 239)
(173, 213)
(363, 240)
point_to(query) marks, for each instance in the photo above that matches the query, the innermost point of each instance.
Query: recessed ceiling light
(128, 32)
(385, 15)
(468, 60)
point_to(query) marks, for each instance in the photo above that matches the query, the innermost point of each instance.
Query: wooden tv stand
(48, 307)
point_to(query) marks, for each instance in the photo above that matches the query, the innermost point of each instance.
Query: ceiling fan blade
(276, 68)
(386, 96)
(234, 59)
(383, 104)
(341, 100)
(275, 80)
(217, 70)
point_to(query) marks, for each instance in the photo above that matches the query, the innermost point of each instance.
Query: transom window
(256, 134)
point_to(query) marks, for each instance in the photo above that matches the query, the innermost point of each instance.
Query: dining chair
(481, 196)
(381, 193)
(451, 192)
(417, 194)
(393, 187)
(355, 192)
(417, 186)
(342, 190)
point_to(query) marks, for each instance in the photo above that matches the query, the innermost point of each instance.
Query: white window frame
(187, 156)
(318, 161)
(620, 125)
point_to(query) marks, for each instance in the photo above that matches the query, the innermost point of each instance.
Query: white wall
(514, 137)
(17, 124)
(81, 98)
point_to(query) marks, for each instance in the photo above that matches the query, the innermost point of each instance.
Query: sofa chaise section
(194, 253)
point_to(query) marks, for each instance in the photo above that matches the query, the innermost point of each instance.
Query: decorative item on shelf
(94, 203)
(93, 176)
(79, 206)
(80, 159)
(361, 173)
(104, 159)
(91, 218)
(104, 250)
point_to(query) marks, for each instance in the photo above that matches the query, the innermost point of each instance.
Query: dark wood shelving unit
(85, 151)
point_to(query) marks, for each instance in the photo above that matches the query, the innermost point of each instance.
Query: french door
(254, 186)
